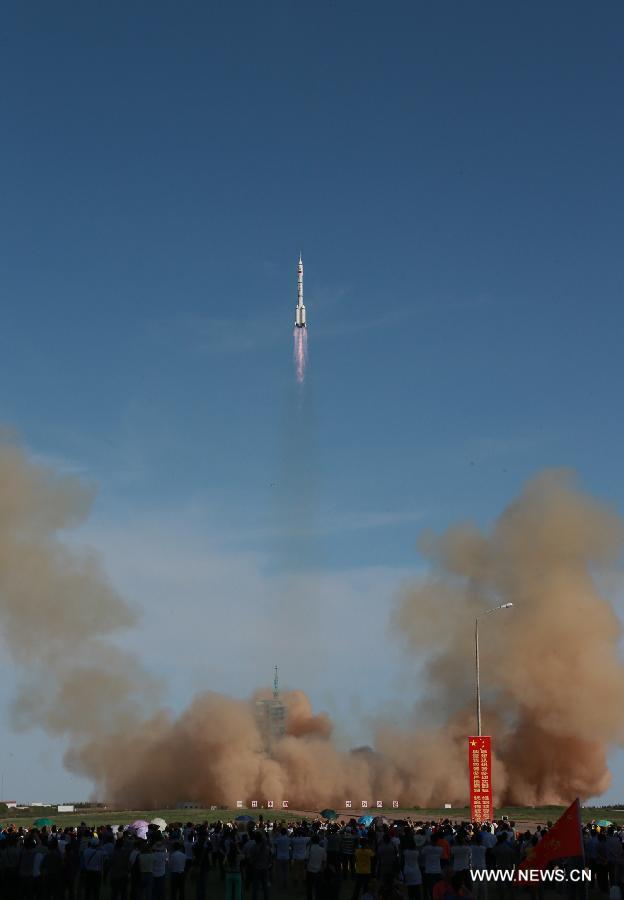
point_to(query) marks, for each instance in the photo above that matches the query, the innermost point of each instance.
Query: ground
(523, 816)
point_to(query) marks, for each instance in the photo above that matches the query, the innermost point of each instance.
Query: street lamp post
(486, 613)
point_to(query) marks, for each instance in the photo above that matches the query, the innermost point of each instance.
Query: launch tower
(271, 717)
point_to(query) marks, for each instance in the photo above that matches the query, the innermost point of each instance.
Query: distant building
(10, 804)
(271, 718)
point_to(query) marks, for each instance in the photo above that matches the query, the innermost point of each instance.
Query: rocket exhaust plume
(552, 676)
(300, 353)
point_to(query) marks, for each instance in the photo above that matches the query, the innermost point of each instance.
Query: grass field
(97, 816)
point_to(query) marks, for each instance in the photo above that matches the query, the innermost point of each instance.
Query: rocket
(300, 313)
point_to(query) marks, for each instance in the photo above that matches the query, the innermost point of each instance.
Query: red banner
(480, 774)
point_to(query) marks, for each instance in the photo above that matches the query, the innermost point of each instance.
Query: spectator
(119, 869)
(478, 864)
(93, 861)
(53, 872)
(364, 857)
(347, 851)
(443, 886)
(431, 856)
(159, 870)
(233, 878)
(386, 858)
(282, 849)
(300, 844)
(503, 858)
(146, 870)
(317, 858)
(461, 857)
(260, 861)
(26, 865)
(177, 868)
(412, 875)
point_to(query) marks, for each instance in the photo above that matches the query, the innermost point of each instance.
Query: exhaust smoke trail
(300, 353)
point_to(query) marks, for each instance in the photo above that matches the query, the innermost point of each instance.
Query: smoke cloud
(552, 675)
(551, 665)
(58, 610)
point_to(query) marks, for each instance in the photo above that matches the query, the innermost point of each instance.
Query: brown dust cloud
(555, 677)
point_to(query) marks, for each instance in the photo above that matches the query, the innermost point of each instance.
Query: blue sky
(452, 174)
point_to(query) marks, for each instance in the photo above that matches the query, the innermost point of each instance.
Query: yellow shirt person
(363, 861)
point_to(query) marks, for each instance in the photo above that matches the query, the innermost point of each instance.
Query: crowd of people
(318, 860)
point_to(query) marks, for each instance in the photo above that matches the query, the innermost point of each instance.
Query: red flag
(562, 840)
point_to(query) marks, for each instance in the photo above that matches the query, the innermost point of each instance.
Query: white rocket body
(300, 313)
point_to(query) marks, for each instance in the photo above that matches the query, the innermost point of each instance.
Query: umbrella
(244, 819)
(39, 823)
(381, 820)
(365, 820)
(329, 813)
(604, 823)
(139, 827)
(159, 823)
